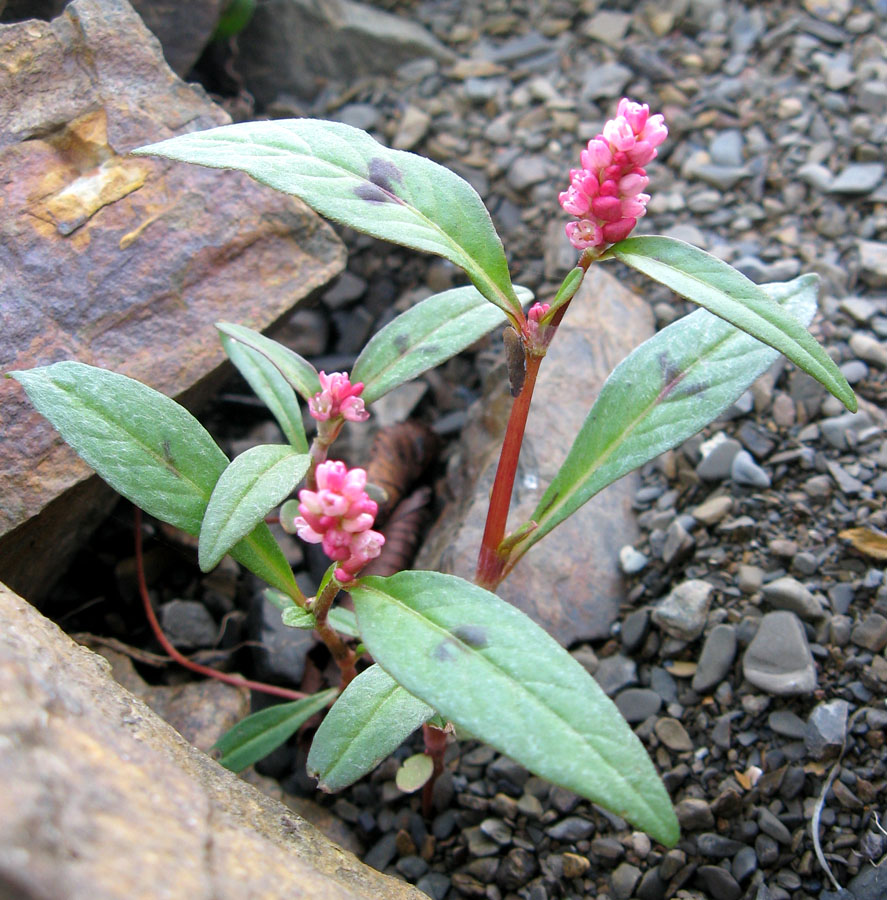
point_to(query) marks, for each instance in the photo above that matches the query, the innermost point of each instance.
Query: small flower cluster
(338, 397)
(606, 193)
(339, 515)
(536, 313)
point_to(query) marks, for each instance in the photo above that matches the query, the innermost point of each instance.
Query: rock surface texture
(119, 262)
(103, 800)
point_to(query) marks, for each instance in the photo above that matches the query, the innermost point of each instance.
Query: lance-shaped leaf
(248, 489)
(149, 449)
(254, 737)
(370, 720)
(488, 668)
(344, 174)
(666, 390)
(298, 372)
(424, 336)
(270, 387)
(719, 288)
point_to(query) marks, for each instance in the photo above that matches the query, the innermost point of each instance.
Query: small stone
(188, 624)
(717, 457)
(435, 884)
(623, 880)
(869, 884)
(570, 830)
(720, 882)
(858, 178)
(518, 867)
(713, 510)
(716, 659)
(744, 864)
(867, 348)
(635, 629)
(673, 734)
(683, 613)
(412, 867)
(871, 633)
(788, 593)
(616, 672)
(717, 846)
(631, 561)
(826, 729)
(638, 704)
(769, 824)
(746, 471)
(527, 170)
(749, 578)
(694, 814)
(574, 865)
(778, 660)
(835, 429)
(873, 262)
(679, 544)
(786, 723)
(496, 830)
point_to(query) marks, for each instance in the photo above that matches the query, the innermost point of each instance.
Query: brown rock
(570, 583)
(118, 262)
(102, 800)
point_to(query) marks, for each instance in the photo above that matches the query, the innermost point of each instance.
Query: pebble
(826, 729)
(694, 814)
(778, 660)
(769, 824)
(623, 880)
(744, 470)
(616, 672)
(637, 704)
(858, 178)
(188, 624)
(683, 613)
(673, 734)
(717, 457)
(871, 633)
(869, 349)
(713, 510)
(720, 882)
(631, 561)
(788, 593)
(571, 829)
(716, 659)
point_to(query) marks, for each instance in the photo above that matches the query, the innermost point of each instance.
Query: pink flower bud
(338, 397)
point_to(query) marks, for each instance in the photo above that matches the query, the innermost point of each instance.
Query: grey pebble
(570, 830)
(716, 659)
(616, 672)
(623, 880)
(188, 624)
(720, 882)
(717, 846)
(435, 884)
(744, 470)
(788, 593)
(744, 864)
(778, 660)
(637, 704)
(683, 613)
(787, 724)
(858, 178)
(631, 561)
(871, 633)
(717, 458)
(412, 867)
(826, 729)
(769, 824)
(694, 814)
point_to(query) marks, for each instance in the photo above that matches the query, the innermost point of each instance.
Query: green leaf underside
(663, 392)
(247, 490)
(347, 176)
(344, 621)
(254, 737)
(706, 280)
(298, 372)
(270, 387)
(424, 336)
(487, 667)
(296, 617)
(414, 772)
(370, 720)
(148, 448)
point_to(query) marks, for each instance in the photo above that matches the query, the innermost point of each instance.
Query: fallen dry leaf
(867, 541)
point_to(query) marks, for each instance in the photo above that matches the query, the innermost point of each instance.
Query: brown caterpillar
(515, 360)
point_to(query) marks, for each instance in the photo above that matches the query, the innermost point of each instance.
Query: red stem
(174, 654)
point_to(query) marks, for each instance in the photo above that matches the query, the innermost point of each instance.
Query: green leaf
(344, 621)
(271, 388)
(424, 336)
(488, 668)
(414, 772)
(148, 448)
(254, 737)
(663, 392)
(298, 372)
(278, 599)
(370, 720)
(344, 174)
(296, 617)
(248, 489)
(719, 288)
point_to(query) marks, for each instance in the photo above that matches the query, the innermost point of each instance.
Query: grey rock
(778, 660)
(716, 659)
(726, 149)
(679, 544)
(613, 673)
(871, 633)
(637, 704)
(717, 457)
(518, 867)
(744, 864)
(349, 40)
(869, 884)
(682, 614)
(788, 593)
(435, 885)
(188, 624)
(717, 846)
(769, 824)
(835, 428)
(787, 723)
(527, 170)
(858, 178)
(278, 651)
(873, 262)
(826, 729)
(869, 349)
(496, 830)
(861, 309)
(608, 82)
(720, 882)
(846, 483)
(694, 814)
(631, 561)
(673, 734)
(623, 879)
(570, 830)
(816, 175)
(746, 471)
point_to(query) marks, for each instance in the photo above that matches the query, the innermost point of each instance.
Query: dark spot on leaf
(402, 342)
(168, 458)
(689, 390)
(668, 369)
(445, 650)
(372, 194)
(382, 172)
(473, 635)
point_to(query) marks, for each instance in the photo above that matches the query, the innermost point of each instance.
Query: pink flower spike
(338, 397)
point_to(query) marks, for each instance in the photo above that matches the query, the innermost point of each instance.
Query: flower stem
(344, 656)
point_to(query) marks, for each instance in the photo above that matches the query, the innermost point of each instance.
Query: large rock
(103, 800)
(570, 582)
(295, 46)
(183, 29)
(119, 262)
